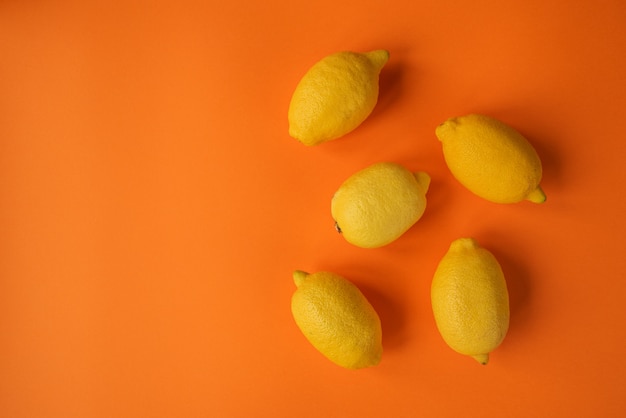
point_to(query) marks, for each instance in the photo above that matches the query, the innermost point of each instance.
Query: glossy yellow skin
(378, 204)
(337, 319)
(470, 300)
(491, 159)
(335, 96)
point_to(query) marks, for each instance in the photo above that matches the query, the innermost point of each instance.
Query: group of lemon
(378, 204)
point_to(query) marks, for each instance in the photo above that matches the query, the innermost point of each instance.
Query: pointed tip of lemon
(378, 57)
(299, 277)
(296, 132)
(482, 358)
(423, 179)
(464, 243)
(369, 359)
(537, 195)
(443, 128)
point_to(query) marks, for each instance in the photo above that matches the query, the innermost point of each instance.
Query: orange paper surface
(153, 207)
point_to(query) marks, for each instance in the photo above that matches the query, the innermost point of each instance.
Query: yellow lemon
(335, 96)
(378, 204)
(470, 300)
(491, 159)
(337, 319)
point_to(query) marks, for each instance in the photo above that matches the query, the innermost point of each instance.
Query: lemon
(335, 96)
(491, 159)
(378, 204)
(337, 319)
(470, 300)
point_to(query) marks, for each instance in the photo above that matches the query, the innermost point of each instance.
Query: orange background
(153, 207)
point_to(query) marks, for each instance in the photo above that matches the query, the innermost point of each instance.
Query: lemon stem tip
(442, 130)
(423, 179)
(464, 243)
(537, 195)
(299, 276)
(482, 358)
(378, 57)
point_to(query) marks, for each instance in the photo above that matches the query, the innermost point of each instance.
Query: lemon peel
(491, 159)
(378, 204)
(337, 319)
(470, 300)
(335, 96)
